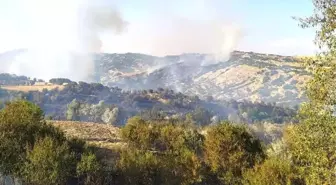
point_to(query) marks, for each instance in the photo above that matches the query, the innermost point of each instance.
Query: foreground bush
(36, 152)
(312, 147)
(160, 153)
(273, 171)
(229, 150)
(49, 162)
(89, 169)
(179, 154)
(21, 125)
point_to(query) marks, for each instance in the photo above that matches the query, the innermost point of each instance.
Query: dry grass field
(27, 88)
(99, 135)
(105, 138)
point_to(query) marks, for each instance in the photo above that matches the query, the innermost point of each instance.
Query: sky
(161, 27)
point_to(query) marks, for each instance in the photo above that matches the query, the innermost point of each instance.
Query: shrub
(312, 147)
(273, 171)
(139, 167)
(89, 169)
(229, 150)
(21, 124)
(161, 152)
(49, 162)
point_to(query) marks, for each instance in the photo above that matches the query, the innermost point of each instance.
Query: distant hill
(245, 76)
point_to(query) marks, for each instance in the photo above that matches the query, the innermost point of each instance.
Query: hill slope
(245, 76)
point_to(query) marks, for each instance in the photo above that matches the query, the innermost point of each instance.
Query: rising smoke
(64, 35)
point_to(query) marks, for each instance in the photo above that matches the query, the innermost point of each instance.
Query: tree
(273, 171)
(49, 162)
(312, 143)
(312, 147)
(110, 115)
(21, 124)
(89, 169)
(139, 167)
(321, 88)
(59, 81)
(161, 152)
(37, 152)
(229, 150)
(201, 116)
(72, 112)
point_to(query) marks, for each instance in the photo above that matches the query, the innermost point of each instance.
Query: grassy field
(100, 135)
(27, 88)
(104, 138)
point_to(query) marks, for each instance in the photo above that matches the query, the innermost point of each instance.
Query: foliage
(49, 162)
(9, 79)
(89, 169)
(167, 153)
(77, 111)
(201, 116)
(312, 146)
(119, 105)
(59, 81)
(21, 124)
(230, 149)
(73, 110)
(273, 171)
(140, 167)
(321, 89)
(36, 152)
(312, 142)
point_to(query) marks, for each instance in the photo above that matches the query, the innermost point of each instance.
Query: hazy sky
(162, 27)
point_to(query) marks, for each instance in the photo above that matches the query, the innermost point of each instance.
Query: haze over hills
(244, 76)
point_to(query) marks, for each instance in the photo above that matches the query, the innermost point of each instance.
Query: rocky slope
(245, 76)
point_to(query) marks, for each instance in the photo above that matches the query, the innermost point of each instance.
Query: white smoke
(62, 34)
(61, 37)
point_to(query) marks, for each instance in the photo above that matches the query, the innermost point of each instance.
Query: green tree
(49, 162)
(166, 153)
(201, 116)
(73, 108)
(21, 124)
(321, 88)
(312, 147)
(312, 143)
(139, 167)
(273, 171)
(89, 169)
(138, 133)
(229, 150)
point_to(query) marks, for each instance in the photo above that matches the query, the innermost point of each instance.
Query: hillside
(98, 103)
(245, 76)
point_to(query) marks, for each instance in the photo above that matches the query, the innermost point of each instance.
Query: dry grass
(95, 134)
(105, 138)
(28, 88)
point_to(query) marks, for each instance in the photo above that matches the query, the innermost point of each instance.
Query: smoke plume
(62, 35)
(202, 30)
